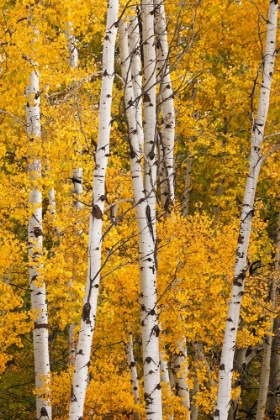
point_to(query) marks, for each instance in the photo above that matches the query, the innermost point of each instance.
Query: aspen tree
(35, 241)
(180, 371)
(166, 102)
(147, 245)
(256, 160)
(134, 45)
(80, 380)
(166, 139)
(73, 60)
(164, 376)
(133, 375)
(77, 176)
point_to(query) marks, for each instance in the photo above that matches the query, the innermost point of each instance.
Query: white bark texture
(164, 373)
(180, 371)
(133, 375)
(73, 58)
(166, 101)
(77, 177)
(149, 102)
(77, 186)
(256, 159)
(80, 380)
(134, 41)
(164, 376)
(147, 247)
(35, 245)
(239, 366)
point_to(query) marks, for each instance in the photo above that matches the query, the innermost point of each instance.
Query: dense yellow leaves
(216, 50)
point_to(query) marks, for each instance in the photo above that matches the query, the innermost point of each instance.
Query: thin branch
(13, 116)
(271, 135)
(272, 150)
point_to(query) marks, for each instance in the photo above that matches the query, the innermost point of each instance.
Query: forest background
(216, 57)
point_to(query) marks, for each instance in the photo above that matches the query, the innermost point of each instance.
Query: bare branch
(270, 151)
(14, 117)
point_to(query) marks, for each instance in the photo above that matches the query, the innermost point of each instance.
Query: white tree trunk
(149, 102)
(77, 177)
(134, 47)
(80, 380)
(77, 186)
(166, 101)
(226, 364)
(73, 58)
(35, 249)
(133, 375)
(164, 376)
(147, 245)
(180, 371)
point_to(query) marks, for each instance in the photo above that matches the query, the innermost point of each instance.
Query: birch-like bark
(147, 245)
(149, 102)
(133, 376)
(166, 101)
(77, 176)
(239, 365)
(80, 380)
(180, 371)
(164, 377)
(134, 46)
(226, 363)
(73, 61)
(35, 249)
(164, 373)
(73, 57)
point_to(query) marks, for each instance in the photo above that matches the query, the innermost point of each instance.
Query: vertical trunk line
(258, 126)
(35, 249)
(166, 137)
(133, 375)
(144, 204)
(80, 380)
